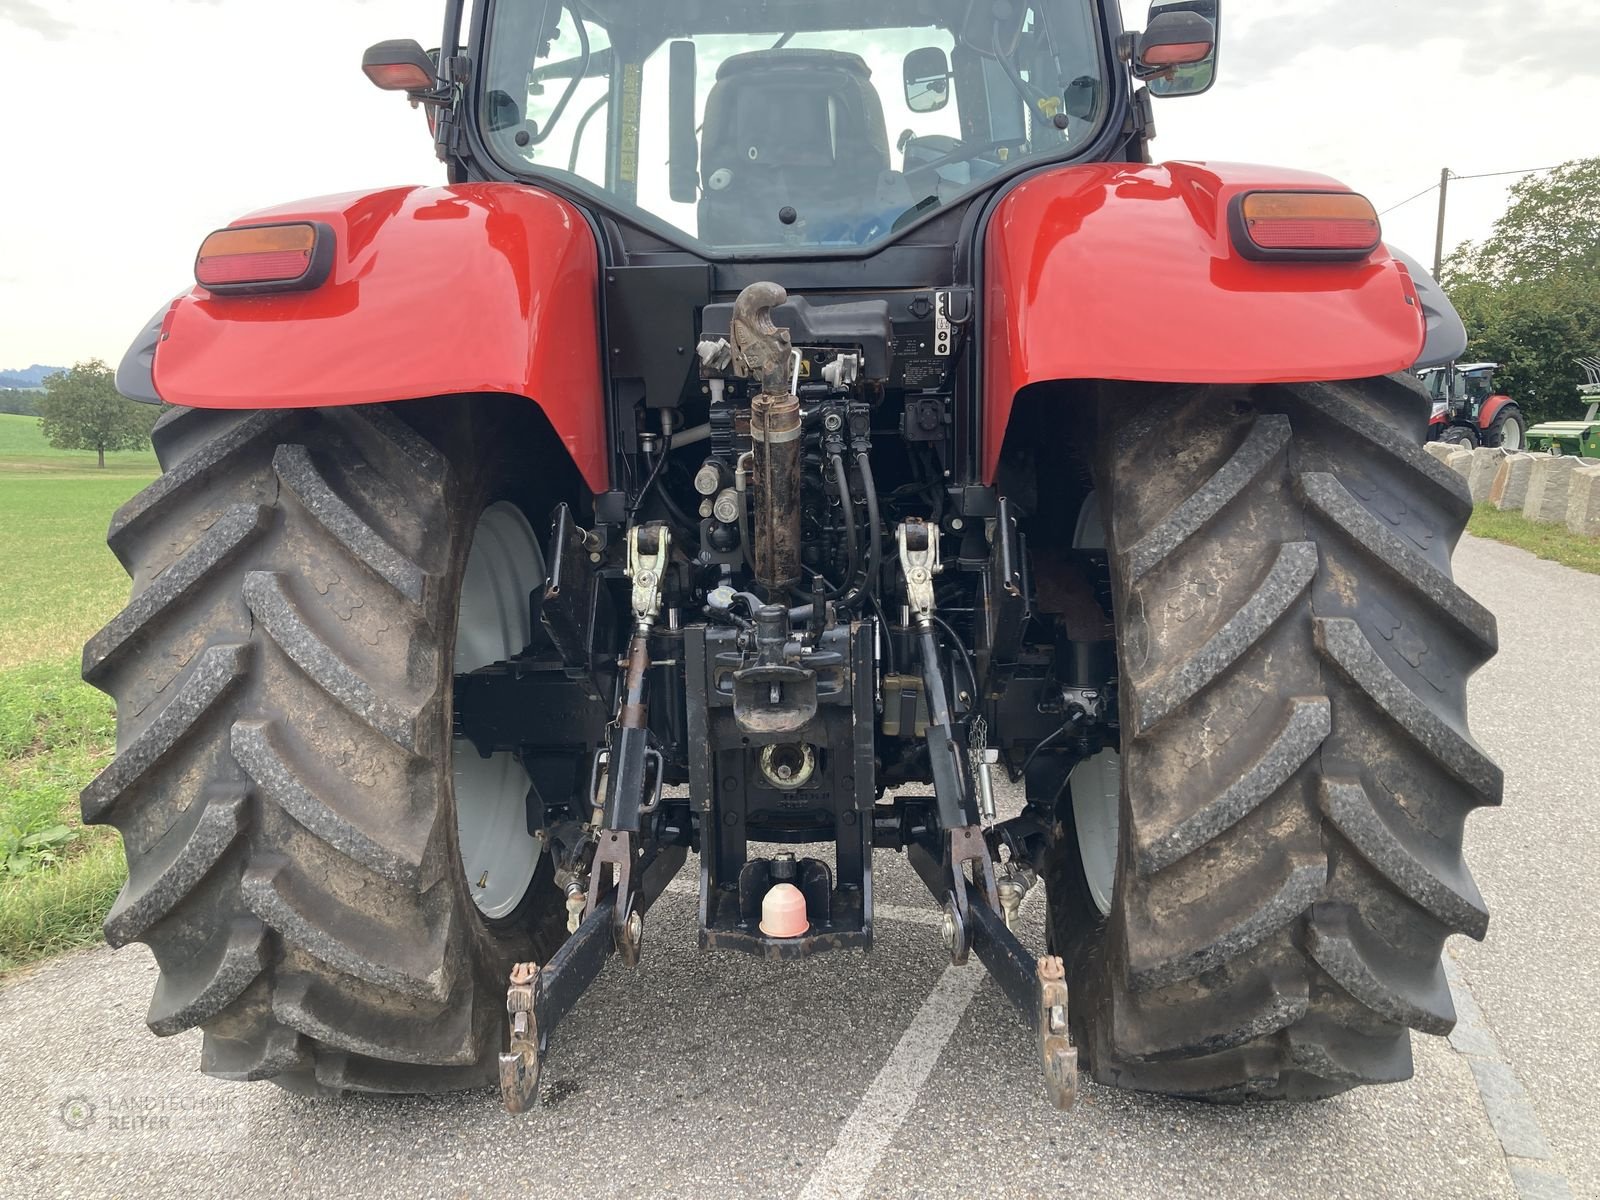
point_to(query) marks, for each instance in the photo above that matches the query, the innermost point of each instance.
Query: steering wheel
(960, 154)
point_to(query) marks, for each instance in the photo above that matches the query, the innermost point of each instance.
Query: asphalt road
(893, 1074)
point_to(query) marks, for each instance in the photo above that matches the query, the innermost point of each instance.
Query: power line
(1497, 174)
(1433, 187)
(1443, 188)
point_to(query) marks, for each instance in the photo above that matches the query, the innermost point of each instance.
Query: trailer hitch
(539, 996)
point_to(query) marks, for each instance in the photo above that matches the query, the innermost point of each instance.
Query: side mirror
(683, 150)
(1177, 53)
(400, 66)
(927, 80)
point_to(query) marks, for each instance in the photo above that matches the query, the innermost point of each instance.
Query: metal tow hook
(519, 1066)
(1057, 1054)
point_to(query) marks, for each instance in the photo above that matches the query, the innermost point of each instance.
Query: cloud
(1555, 41)
(28, 14)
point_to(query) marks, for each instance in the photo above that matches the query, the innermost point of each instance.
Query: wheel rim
(1511, 435)
(498, 854)
(1096, 782)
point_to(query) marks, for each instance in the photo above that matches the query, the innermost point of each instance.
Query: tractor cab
(802, 126)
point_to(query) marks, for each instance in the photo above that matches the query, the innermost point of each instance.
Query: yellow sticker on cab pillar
(628, 152)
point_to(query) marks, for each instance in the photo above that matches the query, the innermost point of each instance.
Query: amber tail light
(1305, 226)
(265, 258)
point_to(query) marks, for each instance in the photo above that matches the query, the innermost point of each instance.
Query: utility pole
(1438, 245)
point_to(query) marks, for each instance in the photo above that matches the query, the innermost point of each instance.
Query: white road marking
(849, 1164)
(847, 1168)
(1532, 1165)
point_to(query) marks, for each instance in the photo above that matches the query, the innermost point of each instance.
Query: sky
(137, 128)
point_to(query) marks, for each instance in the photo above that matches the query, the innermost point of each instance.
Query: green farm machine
(1581, 438)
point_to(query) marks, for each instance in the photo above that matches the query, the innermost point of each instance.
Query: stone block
(1583, 502)
(1486, 462)
(1549, 487)
(1441, 450)
(1509, 490)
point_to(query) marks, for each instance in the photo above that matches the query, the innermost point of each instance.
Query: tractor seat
(802, 128)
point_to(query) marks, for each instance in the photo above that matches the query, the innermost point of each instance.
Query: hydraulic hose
(690, 528)
(966, 657)
(869, 586)
(851, 541)
(847, 504)
(650, 480)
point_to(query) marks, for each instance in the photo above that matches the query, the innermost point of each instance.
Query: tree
(81, 410)
(19, 402)
(1530, 292)
(1551, 227)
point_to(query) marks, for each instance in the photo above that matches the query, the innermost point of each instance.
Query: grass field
(60, 584)
(23, 451)
(1553, 542)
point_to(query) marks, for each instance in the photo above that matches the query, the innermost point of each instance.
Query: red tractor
(1467, 410)
(707, 475)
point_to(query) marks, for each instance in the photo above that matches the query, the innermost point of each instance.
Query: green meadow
(60, 584)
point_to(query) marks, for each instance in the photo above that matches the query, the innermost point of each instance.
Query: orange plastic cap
(783, 911)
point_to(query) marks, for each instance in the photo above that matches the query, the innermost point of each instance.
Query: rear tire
(1296, 768)
(283, 783)
(1509, 430)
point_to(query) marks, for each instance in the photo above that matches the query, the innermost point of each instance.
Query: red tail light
(1176, 54)
(399, 76)
(1307, 226)
(265, 258)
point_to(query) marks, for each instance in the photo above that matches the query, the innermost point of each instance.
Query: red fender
(434, 291)
(1490, 409)
(1124, 271)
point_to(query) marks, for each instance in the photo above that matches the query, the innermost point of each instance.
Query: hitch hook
(519, 1065)
(1057, 1055)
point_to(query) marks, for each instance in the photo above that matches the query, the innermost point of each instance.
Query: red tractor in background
(706, 477)
(1468, 411)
